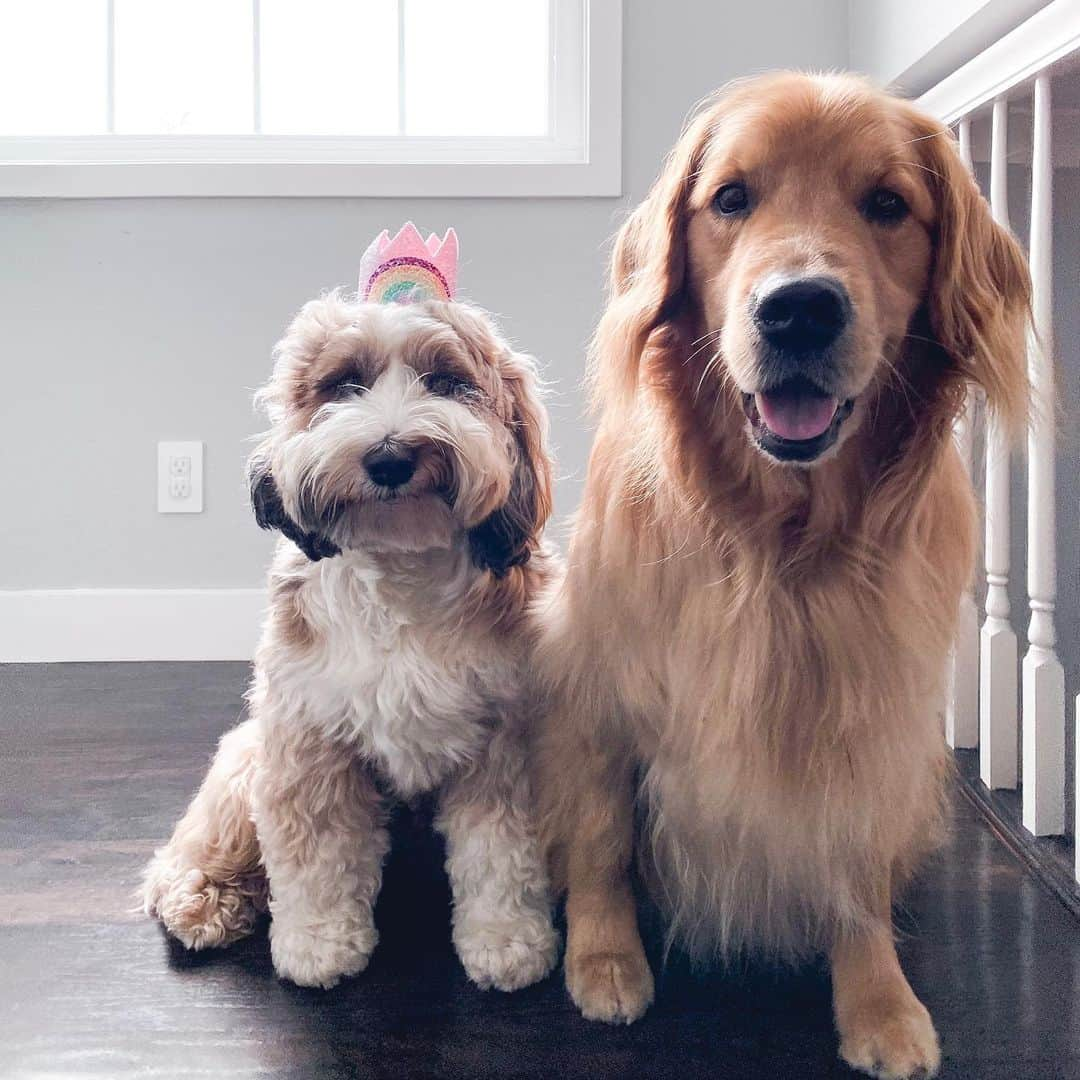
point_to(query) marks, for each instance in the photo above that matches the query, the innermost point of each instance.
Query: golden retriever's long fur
(751, 650)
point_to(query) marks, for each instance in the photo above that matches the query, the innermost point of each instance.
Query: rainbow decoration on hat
(408, 268)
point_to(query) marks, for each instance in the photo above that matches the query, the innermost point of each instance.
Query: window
(309, 97)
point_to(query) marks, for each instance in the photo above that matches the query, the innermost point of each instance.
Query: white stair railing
(1020, 64)
(962, 703)
(998, 653)
(1044, 678)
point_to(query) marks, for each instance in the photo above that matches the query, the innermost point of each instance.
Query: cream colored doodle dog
(406, 465)
(776, 530)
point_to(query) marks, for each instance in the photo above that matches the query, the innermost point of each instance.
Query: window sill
(103, 179)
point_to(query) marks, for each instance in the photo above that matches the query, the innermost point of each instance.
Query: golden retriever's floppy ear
(648, 270)
(510, 535)
(980, 291)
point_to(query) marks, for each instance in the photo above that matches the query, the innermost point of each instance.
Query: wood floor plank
(96, 763)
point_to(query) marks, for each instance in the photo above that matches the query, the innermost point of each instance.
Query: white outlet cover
(180, 460)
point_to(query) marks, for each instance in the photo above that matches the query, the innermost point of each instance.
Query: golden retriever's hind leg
(206, 885)
(589, 817)
(884, 1029)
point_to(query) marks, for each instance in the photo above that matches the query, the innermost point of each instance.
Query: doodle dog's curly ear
(270, 512)
(509, 535)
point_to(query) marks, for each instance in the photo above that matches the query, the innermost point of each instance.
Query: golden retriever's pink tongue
(798, 415)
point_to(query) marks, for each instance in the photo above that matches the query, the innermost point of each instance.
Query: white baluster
(998, 653)
(1044, 679)
(962, 703)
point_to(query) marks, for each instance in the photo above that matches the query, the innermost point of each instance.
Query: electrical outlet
(180, 477)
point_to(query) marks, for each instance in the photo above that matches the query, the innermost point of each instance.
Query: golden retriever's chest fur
(812, 722)
(786, 719)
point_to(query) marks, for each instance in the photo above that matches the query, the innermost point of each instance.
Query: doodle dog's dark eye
(885, 206)
(447, 384)
(731, 199)
(344, 385)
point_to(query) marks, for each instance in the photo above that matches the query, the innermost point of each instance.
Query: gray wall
(129, 321)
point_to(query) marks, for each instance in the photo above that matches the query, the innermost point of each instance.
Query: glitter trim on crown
(408, 268)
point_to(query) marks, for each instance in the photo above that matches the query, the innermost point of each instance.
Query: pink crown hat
(408, 268)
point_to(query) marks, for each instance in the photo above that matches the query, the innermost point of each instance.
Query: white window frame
(582, 156)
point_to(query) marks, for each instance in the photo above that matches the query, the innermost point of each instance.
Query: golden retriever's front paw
(892, 1040)
(615, 987)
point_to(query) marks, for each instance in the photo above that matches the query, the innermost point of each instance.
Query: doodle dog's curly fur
(391, 657)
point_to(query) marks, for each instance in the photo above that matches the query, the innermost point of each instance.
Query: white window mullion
(401, 118)
(553, 73)
(110, 67)
(569, 47)
(256, 68)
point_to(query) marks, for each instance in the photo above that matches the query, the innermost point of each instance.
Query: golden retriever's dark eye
(447, 384)
(885, 206)
(731, 199)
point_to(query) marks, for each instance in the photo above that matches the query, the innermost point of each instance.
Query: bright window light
(329, 67)
(118, 98)
(183, 68)
(53, 67)
(276, 67)
(476, 67)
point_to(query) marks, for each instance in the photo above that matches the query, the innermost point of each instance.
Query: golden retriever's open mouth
(795, 420)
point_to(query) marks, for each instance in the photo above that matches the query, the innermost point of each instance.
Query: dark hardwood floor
(96, 763)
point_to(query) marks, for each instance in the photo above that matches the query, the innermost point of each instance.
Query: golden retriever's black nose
(390, 466)
(804, 315)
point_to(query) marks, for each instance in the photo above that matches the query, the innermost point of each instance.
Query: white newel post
(998, 652)
(1043, 677)
(962, 702)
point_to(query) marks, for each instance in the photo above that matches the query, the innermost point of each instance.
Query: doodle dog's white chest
(415, 695)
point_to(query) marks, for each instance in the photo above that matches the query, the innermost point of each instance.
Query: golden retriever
(749, 643)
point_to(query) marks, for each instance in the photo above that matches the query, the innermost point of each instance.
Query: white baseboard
(39, 625)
